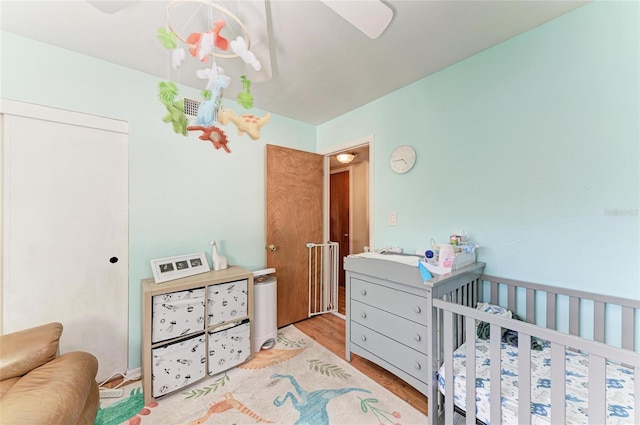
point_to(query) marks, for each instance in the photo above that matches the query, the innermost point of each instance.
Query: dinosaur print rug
(296, 382)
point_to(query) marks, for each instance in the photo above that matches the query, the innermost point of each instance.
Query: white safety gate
(323, 277)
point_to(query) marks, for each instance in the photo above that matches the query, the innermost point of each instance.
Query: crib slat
(524, 379)
(494, 293)
(628, 335)
(636, 382)
(495, 374)
(471, 368)
(597, 386)
(551, 310)
(511, 300)
(558, 374)
(459, 321)
(531, 305)
(574, 316)
(598, 321)
(448, 366)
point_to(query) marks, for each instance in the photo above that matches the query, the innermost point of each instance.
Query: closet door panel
(66, 233)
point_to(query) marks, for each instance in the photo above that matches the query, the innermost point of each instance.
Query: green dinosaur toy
(245, 98)
(167, 92)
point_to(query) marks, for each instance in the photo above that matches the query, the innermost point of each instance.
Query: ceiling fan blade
(110, 7)
(370, 16)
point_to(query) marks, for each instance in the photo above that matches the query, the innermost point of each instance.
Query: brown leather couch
(40, 387)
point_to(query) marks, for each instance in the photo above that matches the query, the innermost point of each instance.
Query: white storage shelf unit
(194, 327)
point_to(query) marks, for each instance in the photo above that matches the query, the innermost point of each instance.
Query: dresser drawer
(397, 328)
(404, 358)
(400, 303)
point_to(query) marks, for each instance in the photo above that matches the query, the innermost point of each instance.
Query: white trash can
(265, 303)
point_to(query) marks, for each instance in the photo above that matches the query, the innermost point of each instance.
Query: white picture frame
(171, 268)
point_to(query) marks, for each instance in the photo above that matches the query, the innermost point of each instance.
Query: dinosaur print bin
(178, 364)
(227, 302)
(176, 314)
(229, 347)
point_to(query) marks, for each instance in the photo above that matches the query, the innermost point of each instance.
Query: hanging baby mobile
(206, 47)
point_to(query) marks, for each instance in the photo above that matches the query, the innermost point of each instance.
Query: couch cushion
(54, 393)
(6, 385)
(25, 350)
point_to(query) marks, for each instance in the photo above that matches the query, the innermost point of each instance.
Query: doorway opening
(348, 204)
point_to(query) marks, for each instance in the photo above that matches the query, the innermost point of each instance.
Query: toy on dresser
(219, 261)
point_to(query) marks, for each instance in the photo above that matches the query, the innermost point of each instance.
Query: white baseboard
(134, 374)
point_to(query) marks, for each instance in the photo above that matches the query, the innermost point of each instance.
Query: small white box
(229, 347)
(176, 314)
(178, 364)
(227, 302)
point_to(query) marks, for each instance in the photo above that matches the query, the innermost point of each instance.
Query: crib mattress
(619, 390)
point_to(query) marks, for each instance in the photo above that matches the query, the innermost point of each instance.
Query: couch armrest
(23, 351)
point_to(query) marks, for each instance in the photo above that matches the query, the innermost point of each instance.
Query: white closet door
(66, 229)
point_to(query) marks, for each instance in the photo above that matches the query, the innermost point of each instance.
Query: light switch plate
(393, 218)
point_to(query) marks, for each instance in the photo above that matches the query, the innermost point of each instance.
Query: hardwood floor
(329, 331)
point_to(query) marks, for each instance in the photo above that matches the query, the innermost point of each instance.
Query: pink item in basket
(446, 255)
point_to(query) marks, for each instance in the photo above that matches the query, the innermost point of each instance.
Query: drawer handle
(417, 366)
(363, 292)
(363, 337)
(363, 315)
(417, 337)
(417, 309)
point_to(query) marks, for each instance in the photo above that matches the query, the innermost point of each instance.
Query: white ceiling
(321, 66)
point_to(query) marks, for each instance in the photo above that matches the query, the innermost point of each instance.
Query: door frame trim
(367, 140)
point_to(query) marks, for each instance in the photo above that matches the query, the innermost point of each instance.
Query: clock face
(402, 159)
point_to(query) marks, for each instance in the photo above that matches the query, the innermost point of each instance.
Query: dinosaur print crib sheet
(619, 381)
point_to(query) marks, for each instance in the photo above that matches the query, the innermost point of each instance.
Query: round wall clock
(403, 159)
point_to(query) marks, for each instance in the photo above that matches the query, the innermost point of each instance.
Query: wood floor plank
(329, 330)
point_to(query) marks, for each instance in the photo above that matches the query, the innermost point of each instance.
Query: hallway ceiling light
(346, 158)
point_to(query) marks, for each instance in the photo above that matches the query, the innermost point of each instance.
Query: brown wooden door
(339, 217)
(294, 218)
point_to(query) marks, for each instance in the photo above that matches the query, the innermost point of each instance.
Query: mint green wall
(182, 192)
(532, 146)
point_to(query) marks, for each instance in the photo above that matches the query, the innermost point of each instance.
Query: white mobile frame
(170, 268)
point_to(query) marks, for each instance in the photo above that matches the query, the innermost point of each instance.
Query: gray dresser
(389, 317)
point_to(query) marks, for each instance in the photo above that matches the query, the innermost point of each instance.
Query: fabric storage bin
(176, 314)
(229, 347)
(178, 364)
(227, 301)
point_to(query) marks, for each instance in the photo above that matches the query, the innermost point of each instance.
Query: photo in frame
(171, 268)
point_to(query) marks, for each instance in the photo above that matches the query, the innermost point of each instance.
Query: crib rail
(588, 313)
(598, 354)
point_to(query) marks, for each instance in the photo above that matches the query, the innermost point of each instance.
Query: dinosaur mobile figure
(212, 134)
(202, 44)
(167, 92)
(246, 123)
(245, 98)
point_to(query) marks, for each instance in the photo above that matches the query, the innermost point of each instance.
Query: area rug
(296, 382)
